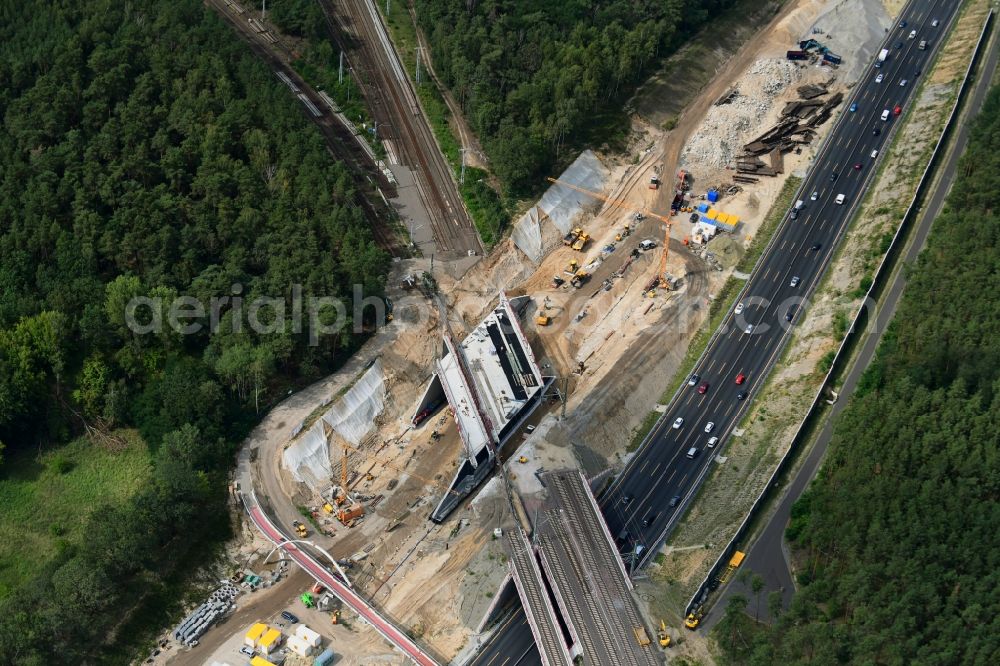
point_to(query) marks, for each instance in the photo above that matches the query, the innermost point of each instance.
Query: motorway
(767, 555)
(661, 470)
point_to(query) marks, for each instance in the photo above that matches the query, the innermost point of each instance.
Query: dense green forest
(532, 75)
(899, 537)
(144, 152)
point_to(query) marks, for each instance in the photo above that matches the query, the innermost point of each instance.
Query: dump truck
(581, 241)
(580, 279)
(640, 636)
(796, 55)
(832, 58)
(882, 55)
(571, 237)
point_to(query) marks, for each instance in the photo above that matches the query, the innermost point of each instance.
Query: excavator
(661, 278)
(662, 635)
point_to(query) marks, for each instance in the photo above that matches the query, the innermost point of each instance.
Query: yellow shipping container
(260, 661)
(254, 634)
(270, 641)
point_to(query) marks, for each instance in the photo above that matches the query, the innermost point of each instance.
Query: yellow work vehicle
(641, 637)
(662, 635)
(571, 237)
(693, 620)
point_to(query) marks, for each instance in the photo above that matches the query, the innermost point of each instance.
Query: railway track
(357, 25)
(341, 143)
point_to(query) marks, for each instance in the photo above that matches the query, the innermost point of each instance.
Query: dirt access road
(394, 104)
(694, 113)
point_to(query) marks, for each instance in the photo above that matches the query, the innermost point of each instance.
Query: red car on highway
(740, 378)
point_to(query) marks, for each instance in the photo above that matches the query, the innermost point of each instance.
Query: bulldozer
(662, 635)
(300, 529)
(572, 267)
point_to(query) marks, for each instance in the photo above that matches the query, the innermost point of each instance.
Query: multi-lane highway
(638, 504)
(777, 290)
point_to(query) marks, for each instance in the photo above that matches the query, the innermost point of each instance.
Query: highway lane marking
(655, 470)
(644, 463)
(886, 92)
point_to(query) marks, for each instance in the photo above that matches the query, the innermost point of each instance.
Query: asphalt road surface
(637, 506)
(767, 555)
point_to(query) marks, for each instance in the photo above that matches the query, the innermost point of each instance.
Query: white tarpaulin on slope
(352, 417)
(560, 205)
(308, 458)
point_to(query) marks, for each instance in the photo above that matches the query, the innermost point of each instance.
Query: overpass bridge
(591, 593)
(336, 585)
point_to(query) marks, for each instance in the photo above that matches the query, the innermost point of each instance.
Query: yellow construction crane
(331, 434)
(661, 274)
(343, 465)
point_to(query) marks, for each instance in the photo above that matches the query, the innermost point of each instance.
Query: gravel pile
(727, 127)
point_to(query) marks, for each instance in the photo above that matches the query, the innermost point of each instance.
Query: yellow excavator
(693, 620)
(662, 635)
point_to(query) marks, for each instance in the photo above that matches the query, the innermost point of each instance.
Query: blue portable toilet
(703, 208)
(713, 195)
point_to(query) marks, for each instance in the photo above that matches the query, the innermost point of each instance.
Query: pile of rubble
(736, 113)
(797, 127)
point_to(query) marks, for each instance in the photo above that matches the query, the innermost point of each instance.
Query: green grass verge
(485, 206)
(46, 499)
(721, 304)
(770, 224)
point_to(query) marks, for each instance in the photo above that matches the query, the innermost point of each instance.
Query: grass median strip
(722, 303)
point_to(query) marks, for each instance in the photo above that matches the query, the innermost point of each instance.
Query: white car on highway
(678, 423)
(739, 308)
(709, 426)
(878, 79)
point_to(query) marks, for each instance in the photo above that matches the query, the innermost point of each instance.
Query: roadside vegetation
(486, 207)
(896, 540)
(538, 79)
(722, 303)
(145, 153)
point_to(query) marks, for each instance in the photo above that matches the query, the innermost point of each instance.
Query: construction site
(419, 464)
